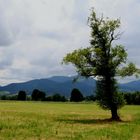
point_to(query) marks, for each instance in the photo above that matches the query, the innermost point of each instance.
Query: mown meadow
(66, 121)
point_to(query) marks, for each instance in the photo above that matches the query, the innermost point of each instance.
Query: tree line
(131, 98)
(37, 95)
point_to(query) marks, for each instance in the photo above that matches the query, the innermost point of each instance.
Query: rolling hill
(64, 85)
(58, 84)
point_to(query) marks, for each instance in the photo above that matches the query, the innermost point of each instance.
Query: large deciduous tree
(105, 61)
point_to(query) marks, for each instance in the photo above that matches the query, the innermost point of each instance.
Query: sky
(35, 35)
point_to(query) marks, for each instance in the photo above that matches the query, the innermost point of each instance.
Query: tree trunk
(114, 114)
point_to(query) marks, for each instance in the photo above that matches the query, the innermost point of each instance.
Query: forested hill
(64, 85)
(57, 84)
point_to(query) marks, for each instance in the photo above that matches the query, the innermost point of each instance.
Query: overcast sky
(36, 34)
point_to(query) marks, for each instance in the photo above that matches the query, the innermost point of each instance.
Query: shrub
(56, 98)
(90, 98)
(132, 98)
(21, 95)
(38, 95)
(76, 96)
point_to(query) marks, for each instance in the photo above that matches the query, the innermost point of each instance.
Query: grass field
(66, 121)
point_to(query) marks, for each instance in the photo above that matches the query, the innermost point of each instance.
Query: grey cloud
(14, 22)
(5, 63)
(7, 58)
(20, 75)
(81, 12)
(56, 35)
(5, 35)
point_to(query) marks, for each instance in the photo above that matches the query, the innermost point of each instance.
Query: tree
(76, 96)
(21, 95)
(91, 98)
(104, 60)
(132, 98)
(38, 95)
(58, 97)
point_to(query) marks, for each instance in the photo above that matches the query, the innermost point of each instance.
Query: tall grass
(65, 121)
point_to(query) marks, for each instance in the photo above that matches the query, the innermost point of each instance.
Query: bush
(28, 98)
(132, 98)
(21, 95)
(90, 98)
(11, 97)
(38, 95)
(76, 96)
(49, 98)
(3, 97)
(56, 98)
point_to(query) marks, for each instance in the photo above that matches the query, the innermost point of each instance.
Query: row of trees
(36, 95)
(76, 96)
(129, 98)
(132, 98)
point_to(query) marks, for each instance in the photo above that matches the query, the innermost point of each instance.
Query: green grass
(66, 121)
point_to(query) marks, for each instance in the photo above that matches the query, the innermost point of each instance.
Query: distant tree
(137, 98)
(128, 98)
(11, 97)
(76, 96)
(104, 60)
(91, 98)
(28, 98)
(3, 97)
(63, 99)
(56, 98)
(42, 95)
(21, 95)
(38, 95)
(35, 94)
(49, 98)
(132, 98)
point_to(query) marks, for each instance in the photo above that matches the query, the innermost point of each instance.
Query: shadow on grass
(91, 121)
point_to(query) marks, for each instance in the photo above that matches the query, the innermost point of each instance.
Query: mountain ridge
(64, 85)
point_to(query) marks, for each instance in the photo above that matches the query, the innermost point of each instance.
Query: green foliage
(38, 95)
(3, 97)
(56, 98)
(91, 98)
(108, 95)
(21, 95)
(104, 61)
(76, 96)
(132, 98)
(129, 70)
(11, 97)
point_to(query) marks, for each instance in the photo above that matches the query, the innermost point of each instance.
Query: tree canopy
(76, 96)
(21, 95)
(38, 95)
